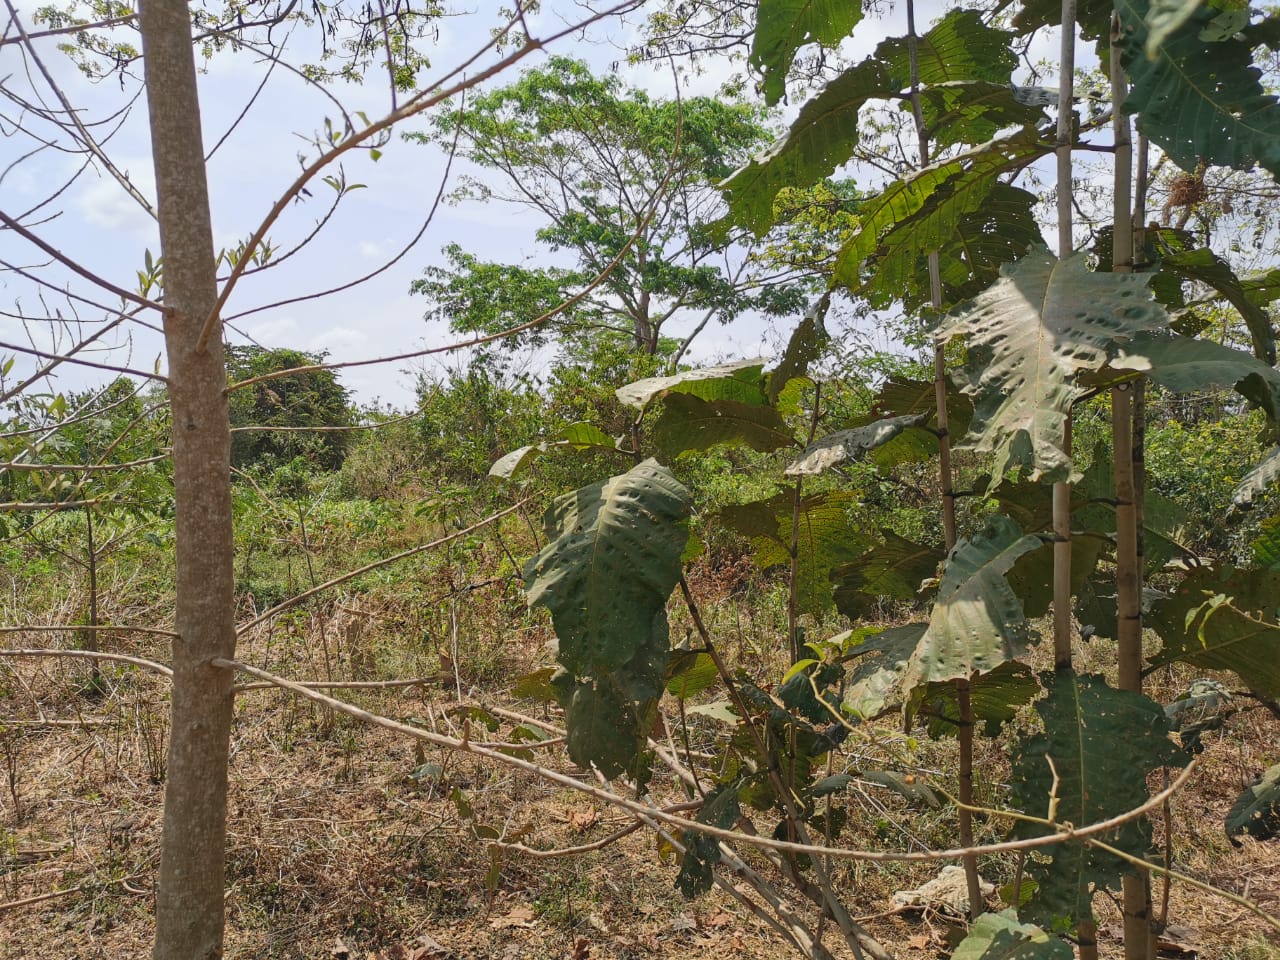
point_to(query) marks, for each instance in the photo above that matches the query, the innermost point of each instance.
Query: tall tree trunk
(189, 892)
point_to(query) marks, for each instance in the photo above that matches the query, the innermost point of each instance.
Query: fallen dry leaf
(583, 820)
(520, 916)
(581, 950)
(718, 919)
(340, 949)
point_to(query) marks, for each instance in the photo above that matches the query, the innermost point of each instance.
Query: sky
(98, 224)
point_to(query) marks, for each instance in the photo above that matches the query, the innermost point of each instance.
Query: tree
(272, 422)
(182, 293)
(624, 185)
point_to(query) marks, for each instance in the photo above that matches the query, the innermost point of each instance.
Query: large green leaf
(973, 111)
(845, 446)
(958, 47)
(1001, 230)
(900, 398)
(821, 139)
(1092, 16)
(689, 423)
(994, 699)
(973, 173)
(828, 537)
(1030, 336)
(977, 621)
(893, 570)
(742, 382)
(1188, 365)
(1207, 267)
(880, 662)
(999, 936)
(784, 26)
(805, 346)
(1258, 480)
(576, 436)
(1164, 17)
(1201, 100)
(1257, 811)
(702, 852)
(1089, 764)
(1224, 619)
(612, 561)
(1266, 546)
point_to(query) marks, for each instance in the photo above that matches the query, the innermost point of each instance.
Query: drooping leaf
(689, 673)
(1032, 576)
(820, 141)
(1092, 16)
(904, 206)
(1187, 365)
(999, 936)
(741, 381)
(881, 661)
(845, 446)
(1257, 811)
(689, 423)
(958, 47)
(784, 26)
(1207, 267)
(974, 111)
(1089, 764)
(1095, 511)
(994, 699)
(1030, 336)
(895, 569)
(1258, 480)
(804, 347)
(507, 466)
(977, 621)
(577, 436)
(1266, 548)
(702, 852)
(899, 398)
(1224, 619)
(1201, 100)
(603, 728)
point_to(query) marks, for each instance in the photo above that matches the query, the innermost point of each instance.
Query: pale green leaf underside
(1258, 480)
(845, 446)
(740, 381)
(1030, 336)
(999, 936)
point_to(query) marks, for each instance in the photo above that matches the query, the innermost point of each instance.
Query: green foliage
(977, 621)
(1089, 764)
(313, 398)
(784, 26)
(1257, 810)
(1200, 99)
(896, 569)
(999, 936)
(702, 852)
(612, 561)
(1030, 337)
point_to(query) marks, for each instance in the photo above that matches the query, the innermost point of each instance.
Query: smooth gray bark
(189, 891)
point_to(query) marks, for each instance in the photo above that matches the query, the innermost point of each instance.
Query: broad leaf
(881, 661)
(1201, 100)
(784, 26)
(898, 398)
(1257, 811)
(690, 673)
(1224, 619)
(994, 699)
(1266, 548)
(740, 382)
(1030, 336)
(999, 936)
(576, 436)
(1164, 17)
(973, 111)
(804, 347)
(702, 852)
(1092, 16)
(977, 621)
(845, 446)
(973, 173)
(688, 423)
(958, 47)
(1090, 764)
(821, 140)
(1207, 267)
(1258, 480)
(506, 467)
(895, 569)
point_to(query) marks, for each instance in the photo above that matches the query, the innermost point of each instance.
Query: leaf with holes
(1030, 336)
(1089, 764)
(999, 936)
(1201, 100)
(880, 662)
(688, 423)
(977, 621)
(958, 47)
(994, 699)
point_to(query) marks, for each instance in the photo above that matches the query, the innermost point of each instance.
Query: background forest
(947, 628)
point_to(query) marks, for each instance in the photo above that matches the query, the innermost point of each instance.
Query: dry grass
(346, 841)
